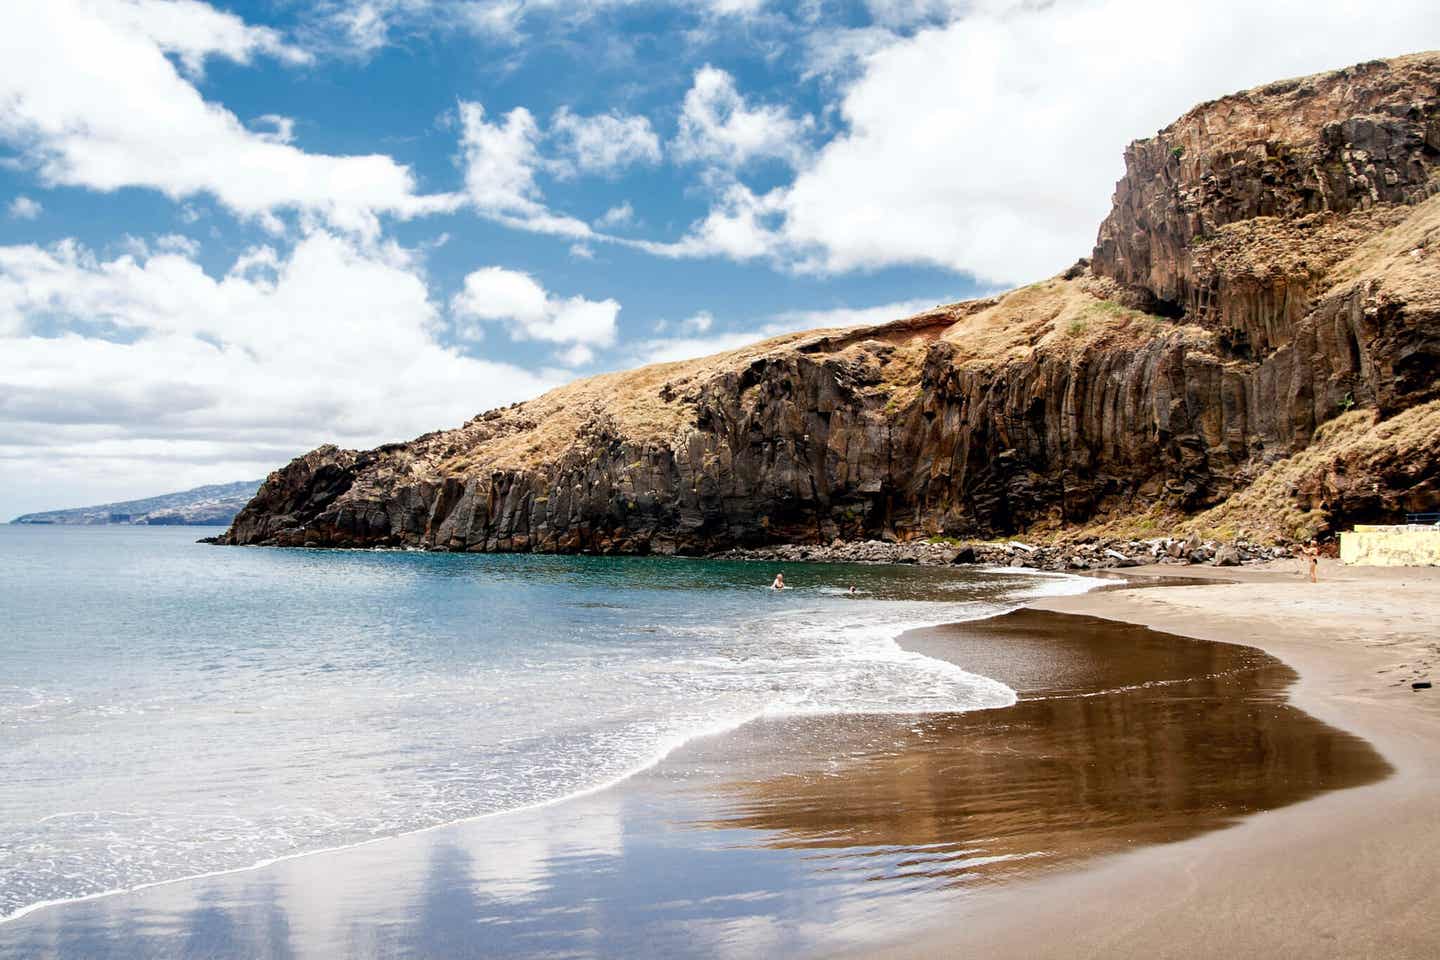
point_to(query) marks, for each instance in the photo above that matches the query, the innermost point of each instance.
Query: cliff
(1271, 264)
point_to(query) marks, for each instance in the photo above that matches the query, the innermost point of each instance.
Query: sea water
(171, 709)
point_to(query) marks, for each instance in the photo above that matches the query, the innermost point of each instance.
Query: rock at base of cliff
(1227, 556)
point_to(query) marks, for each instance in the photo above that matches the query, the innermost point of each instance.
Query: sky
(230, 232)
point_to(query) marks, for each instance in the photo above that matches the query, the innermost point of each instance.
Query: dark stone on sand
(1420, 685)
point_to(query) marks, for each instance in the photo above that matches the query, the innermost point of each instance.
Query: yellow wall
(1393, 546)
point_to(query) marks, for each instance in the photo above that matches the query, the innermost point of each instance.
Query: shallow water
(169, 709)
(794, 835)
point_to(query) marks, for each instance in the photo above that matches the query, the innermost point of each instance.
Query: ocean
(171, 709)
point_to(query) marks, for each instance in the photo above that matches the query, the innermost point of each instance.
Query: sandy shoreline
(1348, 874)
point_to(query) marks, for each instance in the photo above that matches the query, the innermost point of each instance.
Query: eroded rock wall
(1233, 305)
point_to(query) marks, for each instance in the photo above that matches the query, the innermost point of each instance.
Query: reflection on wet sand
(1122, 736)
(789, 836)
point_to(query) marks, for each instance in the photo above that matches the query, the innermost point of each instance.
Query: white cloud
(900, 13)
(24, 208)
(177, 243)
(148, 368)
(622, 215)
(194, 31)
(692, 344)
(528, 312)
(281, 129)
(837, 54)
(718, 127)
(605, 143)
(92, 101)
(362, 27)
(501, 160)
(576, 356)
(498, 19)
(740, 226)
(698, 322)
(992, 145)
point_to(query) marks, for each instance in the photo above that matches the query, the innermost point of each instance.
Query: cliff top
(1298, 111)
(651, 404)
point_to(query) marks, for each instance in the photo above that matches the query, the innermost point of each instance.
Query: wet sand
(1353, 873)
(823, 835)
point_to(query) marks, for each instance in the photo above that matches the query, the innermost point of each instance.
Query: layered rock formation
(1272, 261)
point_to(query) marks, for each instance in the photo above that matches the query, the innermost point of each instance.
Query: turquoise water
(170, 709)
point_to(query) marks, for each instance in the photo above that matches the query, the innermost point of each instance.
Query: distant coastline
(207, 506)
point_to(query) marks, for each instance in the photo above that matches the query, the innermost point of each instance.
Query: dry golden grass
(1275, 249)
(1294, 111)
(653, 404)
(648, 404)
(1063, 317)
(1265, 510)
(1405, 258)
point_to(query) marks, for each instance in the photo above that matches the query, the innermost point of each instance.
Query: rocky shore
(1096, 554)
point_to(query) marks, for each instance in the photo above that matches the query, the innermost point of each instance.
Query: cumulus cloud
(718, 126)
(194, 31)
(275, 128)
(501, 159)
(698, 322)
(24, 208)
(146, 368)
(603, 144)
(740, 226)
(92, 101)
(518, 302)
(956, 151)
(992, 144)
(621, 215)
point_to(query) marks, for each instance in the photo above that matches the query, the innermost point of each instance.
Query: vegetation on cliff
(1255, 343)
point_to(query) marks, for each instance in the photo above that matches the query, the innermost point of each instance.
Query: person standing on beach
(779, 583)
(1312, 553)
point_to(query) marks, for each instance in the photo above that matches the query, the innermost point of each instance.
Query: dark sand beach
(1133, 754)
(1352, 873)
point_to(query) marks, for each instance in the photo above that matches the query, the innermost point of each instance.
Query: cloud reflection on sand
(791, 835)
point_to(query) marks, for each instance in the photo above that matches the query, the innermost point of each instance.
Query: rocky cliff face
(1272, 261)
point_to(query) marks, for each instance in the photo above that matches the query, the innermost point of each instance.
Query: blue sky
(231, 232)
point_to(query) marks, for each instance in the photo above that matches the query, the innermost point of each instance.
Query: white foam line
(667, 747)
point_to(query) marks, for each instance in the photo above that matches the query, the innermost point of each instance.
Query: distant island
(213, 505)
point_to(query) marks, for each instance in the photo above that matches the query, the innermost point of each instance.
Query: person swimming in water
(852, 589)
(779, 583)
